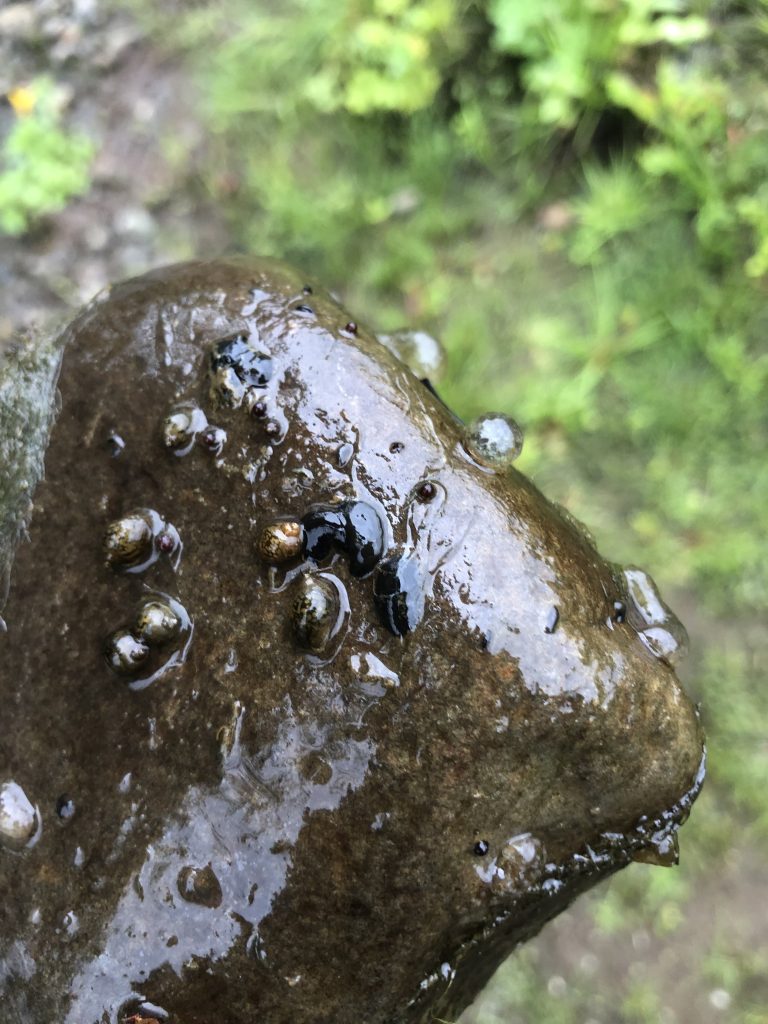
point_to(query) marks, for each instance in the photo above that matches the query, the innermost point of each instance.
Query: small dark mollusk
(157, 622)
(115, 445)
(324, 528)
(65, 808)
(255, 403)
(126, 653)
(354, 527)
(236, 366)
(167, 541)
(213, 439)
(398, 593)
(426, 492)
(656, 624)
(315, 613)
(351, 326)
(280, 541)
(481, 847)
(199, 885)
(553, 617)
(181, 427)
(128, 541)
(364, 537)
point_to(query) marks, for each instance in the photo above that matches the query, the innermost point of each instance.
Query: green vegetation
(42, 165)
(574, 195)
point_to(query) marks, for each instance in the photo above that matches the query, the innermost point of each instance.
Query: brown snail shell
(156, 621)
(315, 613)
(128, 541)
(280, 541)
(126, 653)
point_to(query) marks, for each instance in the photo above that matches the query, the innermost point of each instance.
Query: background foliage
(42, 165)
(573, 194)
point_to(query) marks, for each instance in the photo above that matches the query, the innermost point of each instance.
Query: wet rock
(356, 826)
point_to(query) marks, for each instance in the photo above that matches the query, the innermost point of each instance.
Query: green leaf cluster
(42, 165)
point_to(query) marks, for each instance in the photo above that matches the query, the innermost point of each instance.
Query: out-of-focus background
(573, 195)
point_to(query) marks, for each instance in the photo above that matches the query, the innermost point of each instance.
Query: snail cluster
(158, 621)
(136, 540)
(237, 369)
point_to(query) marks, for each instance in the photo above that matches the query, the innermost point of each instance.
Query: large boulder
(313, 708)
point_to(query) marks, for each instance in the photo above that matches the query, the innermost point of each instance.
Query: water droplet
(181, 427)
(662, 851)
(398, 593)
(200, 886)
(280, 541)
(422, 354)
(345, 453)
(480, 848)
(126, 653)
(494, 440)
(656, 624)
(553, 617)
(20, 824)
(65, 808)
(521, 860)
(666, 643)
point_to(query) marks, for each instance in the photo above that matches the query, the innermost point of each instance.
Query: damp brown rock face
(342, 784)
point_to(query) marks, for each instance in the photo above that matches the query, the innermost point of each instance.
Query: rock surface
(327, 772)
